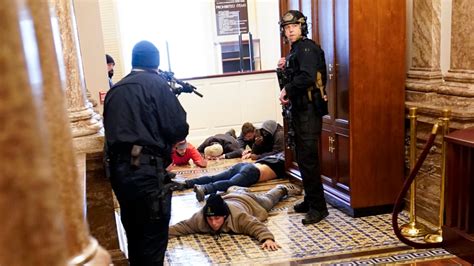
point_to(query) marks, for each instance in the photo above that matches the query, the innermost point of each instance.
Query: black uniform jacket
(305, 59)
(141, 109)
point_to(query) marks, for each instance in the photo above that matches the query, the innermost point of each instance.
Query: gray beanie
(270, 126)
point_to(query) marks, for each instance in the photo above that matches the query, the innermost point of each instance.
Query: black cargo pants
(307, 124)
(145, 207)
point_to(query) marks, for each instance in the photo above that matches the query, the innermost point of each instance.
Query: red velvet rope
(397, 208)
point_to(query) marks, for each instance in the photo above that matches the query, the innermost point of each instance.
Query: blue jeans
(241, 174)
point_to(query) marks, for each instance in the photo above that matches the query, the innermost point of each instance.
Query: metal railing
(413, 228)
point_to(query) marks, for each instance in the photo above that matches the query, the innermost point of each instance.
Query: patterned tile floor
(336, 240)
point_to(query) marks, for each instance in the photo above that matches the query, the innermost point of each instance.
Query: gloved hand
(178, 185)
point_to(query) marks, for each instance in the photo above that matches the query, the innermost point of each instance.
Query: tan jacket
(246, 217)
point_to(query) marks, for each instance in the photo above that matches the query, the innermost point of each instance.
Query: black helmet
(293, 17)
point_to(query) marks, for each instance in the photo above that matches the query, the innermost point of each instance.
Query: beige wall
(92, 47)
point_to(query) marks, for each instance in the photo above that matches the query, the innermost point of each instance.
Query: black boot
(301, 207)
(314, 216)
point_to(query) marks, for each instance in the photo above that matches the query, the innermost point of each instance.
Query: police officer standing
(305, 71)
(143, 119)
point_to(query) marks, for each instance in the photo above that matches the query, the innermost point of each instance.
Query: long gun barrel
(185, 87)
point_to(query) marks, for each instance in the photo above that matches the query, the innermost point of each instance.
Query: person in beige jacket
(239, 212)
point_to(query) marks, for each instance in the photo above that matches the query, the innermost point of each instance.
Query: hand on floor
(271, 245)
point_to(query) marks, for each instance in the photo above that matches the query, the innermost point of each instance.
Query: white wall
(189, 27)
(229, 102)
(269, 33)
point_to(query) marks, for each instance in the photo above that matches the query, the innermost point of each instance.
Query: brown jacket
(246, 217)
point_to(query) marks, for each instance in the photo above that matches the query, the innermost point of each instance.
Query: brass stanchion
(437, 236)
(413, 228)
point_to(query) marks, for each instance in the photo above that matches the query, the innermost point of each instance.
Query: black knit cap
(215, 206)
(109, 59)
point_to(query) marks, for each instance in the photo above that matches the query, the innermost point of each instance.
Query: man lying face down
(239, 212)
(225, 146)
(242, 174)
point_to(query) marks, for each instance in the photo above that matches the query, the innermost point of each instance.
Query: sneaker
(200, 192)
(314, 216)
(291, 189)
(301, 207)
(237, 189)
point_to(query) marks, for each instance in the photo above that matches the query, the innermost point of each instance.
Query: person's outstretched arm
(269, 244)
(251, 226)
(192, 225)
(197, 158)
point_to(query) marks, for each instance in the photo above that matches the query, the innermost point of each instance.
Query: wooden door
(334, 39)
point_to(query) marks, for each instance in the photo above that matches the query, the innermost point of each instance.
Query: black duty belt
(127, 148)
(145, 159)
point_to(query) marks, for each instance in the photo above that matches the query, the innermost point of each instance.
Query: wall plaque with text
(231, 17)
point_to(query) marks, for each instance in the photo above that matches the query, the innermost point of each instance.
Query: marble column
(432, 93)
(426, 88)
(31, 231)
(88, 138)
(84, 120)
(81, 247)
(460, 77)
(40, 197)
(425, 72)
(423, 81)
(31, 228)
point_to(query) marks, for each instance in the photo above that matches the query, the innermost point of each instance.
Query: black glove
(178, 185)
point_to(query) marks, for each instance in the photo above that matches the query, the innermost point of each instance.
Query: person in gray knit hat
(269, 140)
(239, 212)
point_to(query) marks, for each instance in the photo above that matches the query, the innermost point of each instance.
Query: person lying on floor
(240, 212)
(221, 146)
(241, 174)
(185, 151)
(269, 139)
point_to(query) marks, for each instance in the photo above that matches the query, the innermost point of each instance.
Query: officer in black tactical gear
(305, 73)
(143, 119)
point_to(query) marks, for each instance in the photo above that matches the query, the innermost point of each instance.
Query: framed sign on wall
(231, 17)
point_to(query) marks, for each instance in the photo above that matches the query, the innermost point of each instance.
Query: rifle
(172, 81)
(286, 109)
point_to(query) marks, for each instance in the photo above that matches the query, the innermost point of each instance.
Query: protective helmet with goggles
(293, 17)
